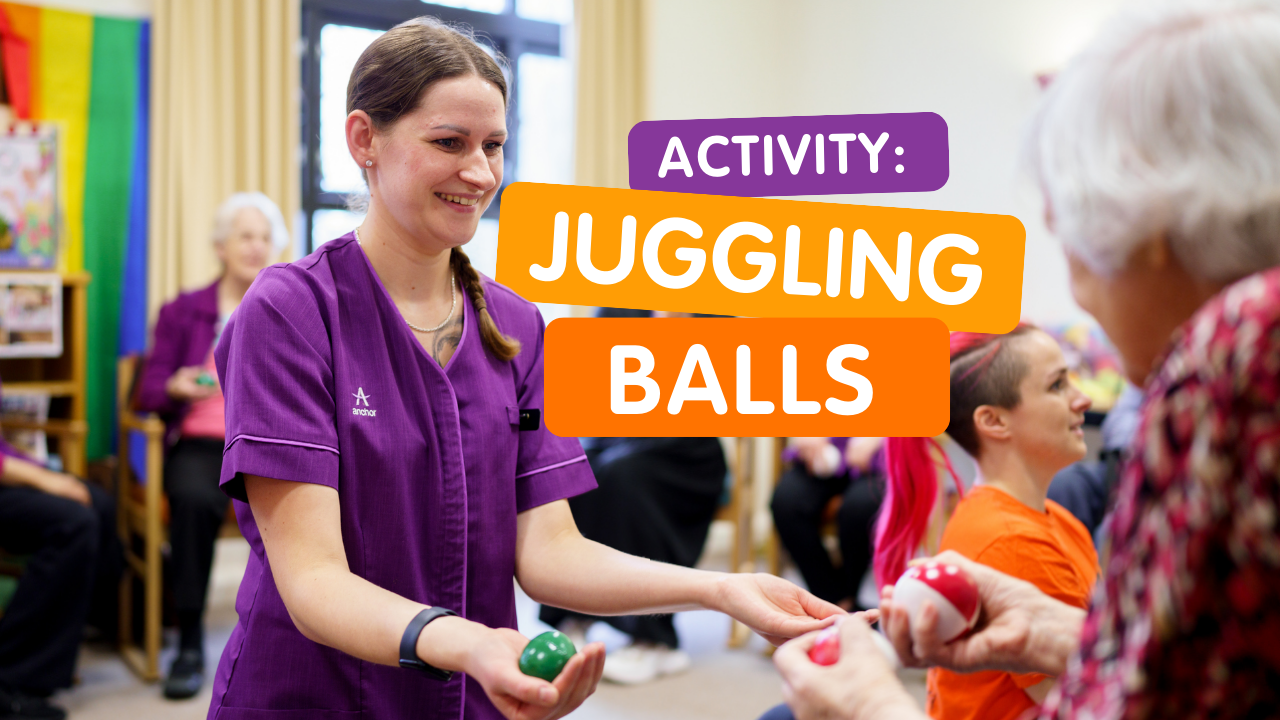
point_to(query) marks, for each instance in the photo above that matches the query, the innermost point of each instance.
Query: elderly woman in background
(1158, 153)
(179, 381)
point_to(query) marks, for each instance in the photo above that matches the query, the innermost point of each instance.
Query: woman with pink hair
(1014, 410)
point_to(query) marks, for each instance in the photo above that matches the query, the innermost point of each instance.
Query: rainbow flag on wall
(90, 75)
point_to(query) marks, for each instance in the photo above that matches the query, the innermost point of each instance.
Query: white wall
(973, 62)
(117, 8)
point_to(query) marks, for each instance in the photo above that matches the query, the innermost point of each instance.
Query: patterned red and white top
(1186, 621)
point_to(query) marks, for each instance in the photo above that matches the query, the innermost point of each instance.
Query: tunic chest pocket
(524, 419)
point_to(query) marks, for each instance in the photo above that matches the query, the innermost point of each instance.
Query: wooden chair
(739, 511)
(142, 524)
(69, 434)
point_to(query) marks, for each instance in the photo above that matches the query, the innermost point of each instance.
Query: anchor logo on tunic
(362, 398)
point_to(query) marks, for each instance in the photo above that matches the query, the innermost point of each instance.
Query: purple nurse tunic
(325, 384)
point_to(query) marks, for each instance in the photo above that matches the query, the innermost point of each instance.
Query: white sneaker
(672, 661)
(638, 664)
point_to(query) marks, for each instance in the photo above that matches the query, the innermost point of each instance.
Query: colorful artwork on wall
(28, 199)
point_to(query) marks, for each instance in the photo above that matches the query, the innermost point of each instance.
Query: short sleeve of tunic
(548, 467)
(274, 361)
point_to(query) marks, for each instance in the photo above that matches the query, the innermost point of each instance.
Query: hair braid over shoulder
(503, 347)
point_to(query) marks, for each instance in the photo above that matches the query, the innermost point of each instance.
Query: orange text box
(801, 377)
(759, 257)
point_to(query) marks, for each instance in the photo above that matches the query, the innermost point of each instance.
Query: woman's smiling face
(439, 166)
(1047, 423)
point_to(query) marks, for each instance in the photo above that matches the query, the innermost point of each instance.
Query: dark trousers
(197, 509)
(74, 564)
(656, 499)
(798, 503)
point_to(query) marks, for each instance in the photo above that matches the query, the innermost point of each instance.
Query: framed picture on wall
(30, 315)
(28, 198)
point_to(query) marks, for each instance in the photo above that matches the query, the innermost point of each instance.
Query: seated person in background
(1084, 488)
(656, 499)
(1015, 411)
(68, 530)
(801, 497)
(179, 381)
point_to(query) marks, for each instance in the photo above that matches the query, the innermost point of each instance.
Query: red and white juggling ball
(826, 648)
(949, 588)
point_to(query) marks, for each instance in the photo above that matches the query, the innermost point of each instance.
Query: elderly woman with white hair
(1158, 154)
(179, 381)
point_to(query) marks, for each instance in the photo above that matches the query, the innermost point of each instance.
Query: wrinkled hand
(66, 486)
(1020, 629)
(495, 664)
(809, 449)
(182, 385)
(773, 607)
(860, 686)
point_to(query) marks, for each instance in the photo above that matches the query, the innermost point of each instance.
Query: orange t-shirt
(1051, 549)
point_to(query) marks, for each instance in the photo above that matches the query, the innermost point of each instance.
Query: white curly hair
(230, 208)
(1168, 123)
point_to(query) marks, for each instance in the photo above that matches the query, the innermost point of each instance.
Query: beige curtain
(224, 118)
(611, 87)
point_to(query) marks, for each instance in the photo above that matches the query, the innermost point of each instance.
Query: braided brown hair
(503, 347)
(388, 82)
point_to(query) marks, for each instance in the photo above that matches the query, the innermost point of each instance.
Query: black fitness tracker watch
(409, 643)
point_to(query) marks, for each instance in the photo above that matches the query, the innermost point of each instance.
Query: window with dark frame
(335, 32)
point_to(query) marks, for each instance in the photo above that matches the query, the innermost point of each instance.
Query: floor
(723, 683)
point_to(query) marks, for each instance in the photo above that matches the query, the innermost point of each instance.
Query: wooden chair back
(141, 516)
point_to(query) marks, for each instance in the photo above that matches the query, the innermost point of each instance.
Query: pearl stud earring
(368, 163)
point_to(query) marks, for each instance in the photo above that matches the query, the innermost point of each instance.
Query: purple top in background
(184, 333)
(325, 384)
(890, 152)
(876, 467)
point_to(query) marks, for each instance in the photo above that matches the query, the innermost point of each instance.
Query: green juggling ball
(546, 655)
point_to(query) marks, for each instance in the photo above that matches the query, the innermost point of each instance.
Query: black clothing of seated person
(67, 530)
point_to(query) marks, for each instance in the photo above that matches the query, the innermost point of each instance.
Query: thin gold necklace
(453, 293)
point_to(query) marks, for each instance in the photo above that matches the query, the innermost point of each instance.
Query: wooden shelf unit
(62, 377)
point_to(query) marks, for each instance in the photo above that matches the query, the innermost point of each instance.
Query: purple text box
(806, 155)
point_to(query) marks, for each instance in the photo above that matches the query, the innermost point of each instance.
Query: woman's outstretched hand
(771, 606)
(861, 685)
(494, 662)
(1020, 629)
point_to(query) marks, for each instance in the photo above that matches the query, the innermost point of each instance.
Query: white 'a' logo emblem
(362, 398)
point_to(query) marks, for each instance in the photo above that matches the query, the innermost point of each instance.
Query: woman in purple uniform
(385, 449)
